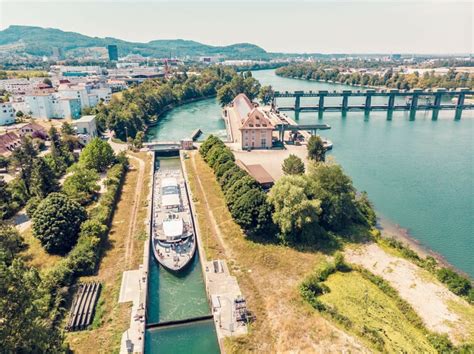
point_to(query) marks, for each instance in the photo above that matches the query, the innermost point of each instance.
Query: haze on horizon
(422, 27)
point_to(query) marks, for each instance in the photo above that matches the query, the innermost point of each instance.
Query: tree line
(391, 78)
(33, 303)
(301, 207)
(245, 198)
(140, 106)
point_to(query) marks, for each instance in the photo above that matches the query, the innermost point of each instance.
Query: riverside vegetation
(391, 78)
(140, 106)
(367, 305)
(299, 209)
(320, 211)
(33, 301)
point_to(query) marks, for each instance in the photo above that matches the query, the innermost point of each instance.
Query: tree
(98, 155)
(23, 158)
(43, 179)
(56, 223)
(253, 213)
(60, 156)
(239, 188)
(81, 185)
(138, 141)
(266, 94)
(208, 144)
(225, 95)
(293, 165)
(24, 326)
(48, 82)
(296, 211)
(5, 200)
(337, 194)
(4, 162)
(32, 205)
(67, 129)
(11, 242)
(316, 149)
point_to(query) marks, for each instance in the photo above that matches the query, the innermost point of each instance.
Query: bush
(56, 223)
(32, 205)
(455, 282)
(208, 144)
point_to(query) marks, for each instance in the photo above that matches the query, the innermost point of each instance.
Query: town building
(8, 142)
(48, 105)
(7, 113)
(86, 128)
(251, 126)
(113, 52)
(32, 129)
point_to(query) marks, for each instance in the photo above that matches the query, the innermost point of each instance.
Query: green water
(178, 296)
(183, 120)
(196, 338)
(419, 174)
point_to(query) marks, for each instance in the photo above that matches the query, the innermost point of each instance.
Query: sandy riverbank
(390, 229)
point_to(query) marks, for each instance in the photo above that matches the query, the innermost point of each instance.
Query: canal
(419, 174)
(177, 297)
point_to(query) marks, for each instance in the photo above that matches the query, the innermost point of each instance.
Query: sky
(311, 26)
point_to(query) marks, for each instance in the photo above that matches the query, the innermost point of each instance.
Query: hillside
(40, 41)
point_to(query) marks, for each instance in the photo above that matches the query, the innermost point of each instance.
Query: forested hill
(40, 41)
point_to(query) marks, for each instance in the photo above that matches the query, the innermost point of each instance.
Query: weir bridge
(413, 98)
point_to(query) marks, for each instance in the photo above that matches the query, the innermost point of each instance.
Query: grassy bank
(373, 314)
(111, 318)
(268, 275)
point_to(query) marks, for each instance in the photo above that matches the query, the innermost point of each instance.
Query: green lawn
(364, 304)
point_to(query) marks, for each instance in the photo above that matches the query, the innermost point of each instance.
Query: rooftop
(85, 119)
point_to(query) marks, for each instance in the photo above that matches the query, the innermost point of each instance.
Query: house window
(264, 142)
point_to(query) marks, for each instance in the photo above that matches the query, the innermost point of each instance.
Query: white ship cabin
(170, 193)
(173, 228)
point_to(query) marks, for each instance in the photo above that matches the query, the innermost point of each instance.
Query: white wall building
(47, 105)
(86, 128)
(7, 113)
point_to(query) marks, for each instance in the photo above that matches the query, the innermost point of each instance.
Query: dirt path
(210, 214)
(129, 244)
(431, 300)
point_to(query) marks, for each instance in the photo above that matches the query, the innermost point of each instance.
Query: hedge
(244, 197)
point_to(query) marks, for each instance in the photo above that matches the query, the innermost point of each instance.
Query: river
(418, 173)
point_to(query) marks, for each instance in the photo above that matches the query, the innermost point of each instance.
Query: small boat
(173, 239)
(327, 143)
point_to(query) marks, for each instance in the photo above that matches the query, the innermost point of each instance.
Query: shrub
(56, 223)
(207, 145)
(32, 205)
(455, 282)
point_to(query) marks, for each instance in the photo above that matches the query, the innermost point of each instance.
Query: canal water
(418, 173)
(177, 297)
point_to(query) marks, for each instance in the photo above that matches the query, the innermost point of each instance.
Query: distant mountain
(40, 41)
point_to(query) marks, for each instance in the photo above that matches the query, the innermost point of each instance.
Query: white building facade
(7, 113)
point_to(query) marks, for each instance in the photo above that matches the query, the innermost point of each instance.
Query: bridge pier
(345, 100)
(297, 103)
(460, 103)
(391, 103)
(414, 103)
(368, 101)
(437, 103)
